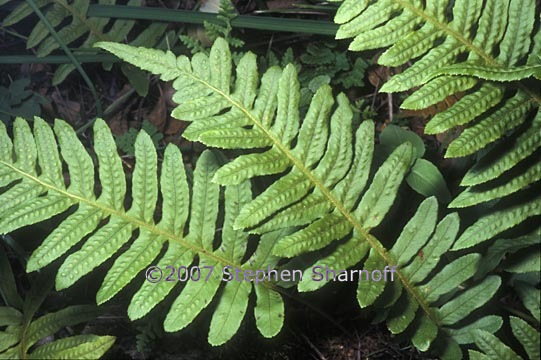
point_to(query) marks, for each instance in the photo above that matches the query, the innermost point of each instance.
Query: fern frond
(471, 197)
(489, 73)
(22, 334)
(272, 112)
(422, 314)
(226, 14)
(493, 348)
(326, 187)
(464, 46)
(270, 117)
(34, 190)
(494, 126)
(524, 146)
(524, 265)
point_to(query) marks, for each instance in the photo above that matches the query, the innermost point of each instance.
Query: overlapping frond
(433, 310)
(522, 266)
(324, 190)
(17, 344)
(22, 336)
(70, 20)
(34, 189)
(493, 348)
(468, 47)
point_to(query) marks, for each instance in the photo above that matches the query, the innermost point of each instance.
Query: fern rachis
(322, 193)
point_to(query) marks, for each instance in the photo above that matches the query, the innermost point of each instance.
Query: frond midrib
(28, 317)
(467, 43)
(130, 219)
(374, 243)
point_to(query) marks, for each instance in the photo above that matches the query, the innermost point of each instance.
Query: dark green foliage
(126, 141)
(322, 63)
(17, 100)
(75, 29)
(22, 334)
(323, 59)
(493, 348)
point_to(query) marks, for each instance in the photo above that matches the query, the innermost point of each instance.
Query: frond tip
(411, 304)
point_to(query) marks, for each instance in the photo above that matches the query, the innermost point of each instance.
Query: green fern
(226, 14)
(323, 198)
(33, 189)
(22, 336)
(523, 266)
(502, 248)
(323, 59)
(126, 141)
(222, 28)
(519, 256)
(471, 48)
(325, 192)
(320, 63)
(17, 100)
(511, 256)
(80, 26)
(494, 349)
